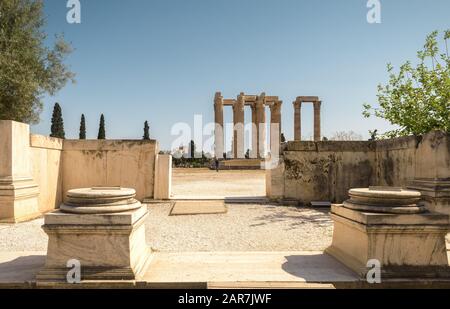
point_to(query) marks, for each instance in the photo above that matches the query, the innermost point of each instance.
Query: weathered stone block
(406, 245)
(163, 177)
(108, 246)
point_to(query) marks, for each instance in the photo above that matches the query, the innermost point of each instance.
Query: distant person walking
(217, 165)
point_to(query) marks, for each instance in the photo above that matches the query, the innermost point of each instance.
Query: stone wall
(126, 163)
(325, 171)
(36, 171)
(395, 161)
(46, 162)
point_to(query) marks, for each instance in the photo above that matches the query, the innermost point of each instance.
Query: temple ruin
(298, 117)
(258, 105)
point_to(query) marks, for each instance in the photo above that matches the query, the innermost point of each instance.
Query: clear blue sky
(163, 60)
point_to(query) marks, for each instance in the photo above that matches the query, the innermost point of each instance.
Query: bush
(417, 99)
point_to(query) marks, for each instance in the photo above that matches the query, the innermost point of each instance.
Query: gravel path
(27, 236)
(243, 228)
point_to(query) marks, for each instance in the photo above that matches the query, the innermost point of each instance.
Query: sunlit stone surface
(103, 229)
(388, 225)
(100, 200)
(385, 200)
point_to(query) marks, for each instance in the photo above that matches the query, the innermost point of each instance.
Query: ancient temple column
(261, 124)
(275, 125)
(297, 121)
(238, 136)
(218, 131)
(317, 133)
(275, 131)
(254, 152)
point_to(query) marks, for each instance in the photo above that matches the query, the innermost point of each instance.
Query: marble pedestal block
(18, 200)
(109, 245)
(407, 245)
(435, 193)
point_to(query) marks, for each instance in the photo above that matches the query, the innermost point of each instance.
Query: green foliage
(192, 150)
(417, 99)
(146, 131)
(57, 128)
(83, 127)
(28, 69)
(101, 129)
(204, 161)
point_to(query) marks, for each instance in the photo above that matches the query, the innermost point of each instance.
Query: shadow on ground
(320, 217)
(318, 268)
(21, 269)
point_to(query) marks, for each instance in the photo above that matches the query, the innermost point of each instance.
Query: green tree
(82, 127)
(417, 99)
(146, 131)
(101, 129)
(192, 149)
(28, 68)
(57, 128)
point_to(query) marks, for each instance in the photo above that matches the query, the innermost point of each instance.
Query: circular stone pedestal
(100, 200)
(385, 200)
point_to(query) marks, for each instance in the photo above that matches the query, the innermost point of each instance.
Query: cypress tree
(57, 128)
(83, 127)
(101, 129)
(192, 149)
(146, 131)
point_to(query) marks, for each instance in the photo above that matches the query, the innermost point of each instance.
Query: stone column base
(108, 246)
(18, 200)
(435, 193)
(407, 246)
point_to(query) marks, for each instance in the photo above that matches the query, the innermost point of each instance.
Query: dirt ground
(203, 183)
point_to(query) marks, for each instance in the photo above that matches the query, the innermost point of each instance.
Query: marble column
(275, 124)
(297, 121)
(238, 136)
(254, 152)
(218, 131)
(317, 125)
(261, 124)
(275, 132)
